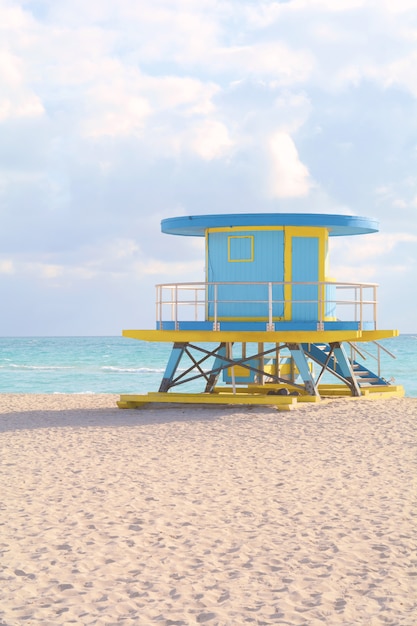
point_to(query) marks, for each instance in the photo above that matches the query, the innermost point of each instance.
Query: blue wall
(305, 254)
(238, 256)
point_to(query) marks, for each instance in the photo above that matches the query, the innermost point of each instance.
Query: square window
(240, 248)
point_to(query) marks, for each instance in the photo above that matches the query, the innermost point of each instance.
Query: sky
(116, 114)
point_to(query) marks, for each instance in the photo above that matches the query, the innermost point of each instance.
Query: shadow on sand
(109, 417)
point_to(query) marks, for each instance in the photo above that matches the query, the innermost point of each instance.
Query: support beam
(301, 362)
(332, 357)
(346, 368)
(172, 365)
(216, 369)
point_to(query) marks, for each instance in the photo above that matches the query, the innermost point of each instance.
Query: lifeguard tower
(268, 325)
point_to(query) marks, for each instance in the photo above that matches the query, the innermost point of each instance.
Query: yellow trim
(251, 237)
(257, 395)
(252, 336)
(287, 274)
(322, 255)
(131, 401)
(206, 269)
(373, 392)
(323, 239)
(229, 229)
(239, 371)
(376, 335)
(305, 231)
(290, 232)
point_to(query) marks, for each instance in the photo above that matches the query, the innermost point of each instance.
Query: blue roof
(196, 225)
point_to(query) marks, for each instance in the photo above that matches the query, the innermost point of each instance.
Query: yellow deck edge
(256, 336)
(207, 336)
(376, 335)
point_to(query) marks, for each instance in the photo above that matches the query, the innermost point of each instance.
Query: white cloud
(55, 274)
(341, 272)
(345, 42)
(368, 254)
(401, 72)
(124, 101)
(329, 5)
(10, 69)
(170, 92)
(401, 196)
(16, 99)
(379, 244)
(47, 270)
(289, 177)
(6, 266)
(174, 31)
(294, 109)
(118, 258)
(264, 14)
(162, 269)
(114, 113)
(211, 140)
(20, 105)
(273, 59)
(396, 6)
(122, 249)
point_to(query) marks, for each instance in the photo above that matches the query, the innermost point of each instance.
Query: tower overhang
(336, 225)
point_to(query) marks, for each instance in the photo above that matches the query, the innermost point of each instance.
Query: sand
(226, 516)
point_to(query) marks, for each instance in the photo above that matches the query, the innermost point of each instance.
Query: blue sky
(115, 114)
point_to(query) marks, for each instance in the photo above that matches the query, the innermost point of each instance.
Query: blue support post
(218, 365)
(172, 365)
(301, 362)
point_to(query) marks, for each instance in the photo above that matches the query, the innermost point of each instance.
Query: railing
(355, 351)
(269, 301)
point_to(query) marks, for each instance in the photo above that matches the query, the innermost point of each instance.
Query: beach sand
(218, 516)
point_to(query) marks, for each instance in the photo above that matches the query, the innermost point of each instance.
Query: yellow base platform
(257, 396)
(371, 392)
(283, 403)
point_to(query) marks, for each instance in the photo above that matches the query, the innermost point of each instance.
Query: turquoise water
(121, 365)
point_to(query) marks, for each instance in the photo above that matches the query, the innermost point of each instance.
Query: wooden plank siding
(305, 268)
(247, 255)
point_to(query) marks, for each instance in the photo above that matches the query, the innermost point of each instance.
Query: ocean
(122, 365)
